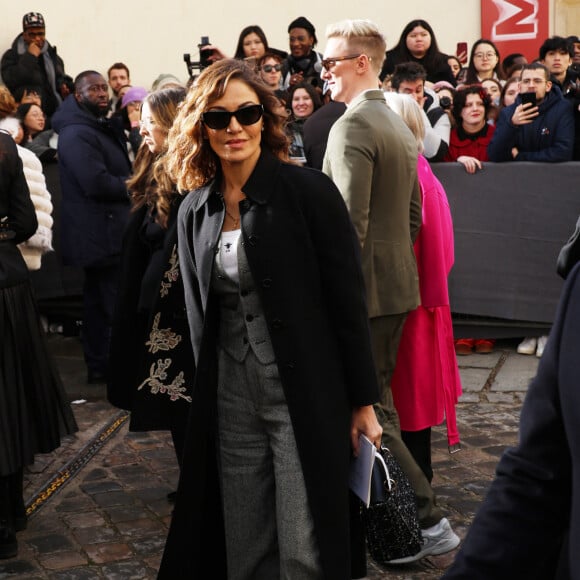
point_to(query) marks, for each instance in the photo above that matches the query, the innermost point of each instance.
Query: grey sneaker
(438, 539)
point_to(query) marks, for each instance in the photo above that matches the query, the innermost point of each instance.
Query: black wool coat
(150, 360)
(304, 257)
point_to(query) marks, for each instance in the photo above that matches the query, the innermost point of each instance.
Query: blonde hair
(363, 36)
(150, 184)
(408, 109)
(7, 103)
(191, 161)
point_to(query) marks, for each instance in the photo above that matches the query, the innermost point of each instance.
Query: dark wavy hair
(150, 183)
(191, 161)
(248, 30)
(471, 75)
(460, 99)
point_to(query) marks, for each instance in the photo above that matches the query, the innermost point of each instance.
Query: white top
(227, 256)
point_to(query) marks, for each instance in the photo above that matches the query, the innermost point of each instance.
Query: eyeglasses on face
(270, 67)
(244, 116)
(488, 55)
(330, 63)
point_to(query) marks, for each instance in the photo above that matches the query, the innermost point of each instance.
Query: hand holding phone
(461, 52)
(528, 98)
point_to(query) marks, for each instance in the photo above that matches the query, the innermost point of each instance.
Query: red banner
(516, 25)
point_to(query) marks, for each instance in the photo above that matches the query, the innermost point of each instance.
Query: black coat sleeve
(518, 530)
(16, 207)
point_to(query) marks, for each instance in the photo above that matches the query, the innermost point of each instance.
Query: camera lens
(445, 103)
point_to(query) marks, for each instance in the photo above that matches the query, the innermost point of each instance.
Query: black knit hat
(302, 22)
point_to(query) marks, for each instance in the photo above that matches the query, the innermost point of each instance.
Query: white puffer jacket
(41, 242)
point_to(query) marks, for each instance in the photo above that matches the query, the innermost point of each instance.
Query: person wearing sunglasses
(270, 68)
(285, 381)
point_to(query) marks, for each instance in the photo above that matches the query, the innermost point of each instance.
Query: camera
(204, 55)
(445, 103)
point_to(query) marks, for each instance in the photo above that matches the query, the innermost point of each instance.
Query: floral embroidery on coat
(161, 338)
(157, 376)
(171, 275)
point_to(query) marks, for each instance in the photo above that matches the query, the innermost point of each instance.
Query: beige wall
(152, 37)
(567, 17)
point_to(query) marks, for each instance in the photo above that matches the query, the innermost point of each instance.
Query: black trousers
(99, 297)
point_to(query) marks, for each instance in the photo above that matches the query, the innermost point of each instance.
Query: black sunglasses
(270, 67)
(244, 116)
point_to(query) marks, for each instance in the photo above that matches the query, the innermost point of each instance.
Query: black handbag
(570, 253)
(391, 522)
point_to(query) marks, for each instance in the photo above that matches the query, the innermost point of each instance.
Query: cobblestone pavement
(101, 510)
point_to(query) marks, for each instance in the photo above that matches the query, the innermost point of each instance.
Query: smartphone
(528, 98)
(461, 52)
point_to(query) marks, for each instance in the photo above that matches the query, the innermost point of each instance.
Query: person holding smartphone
(539, 126)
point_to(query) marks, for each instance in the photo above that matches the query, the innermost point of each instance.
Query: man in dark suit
(94, 166)
(372, 157)
(316, 130)
(529, 524)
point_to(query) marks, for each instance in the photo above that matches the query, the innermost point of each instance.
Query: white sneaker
(528, 345)
(438, 539)
(541, 345)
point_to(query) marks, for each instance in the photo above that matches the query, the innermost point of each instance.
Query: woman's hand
(364, 421)
(471, 164)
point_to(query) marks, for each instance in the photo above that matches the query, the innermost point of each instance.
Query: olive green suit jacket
(372, 158)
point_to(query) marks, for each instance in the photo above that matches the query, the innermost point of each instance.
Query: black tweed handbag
(391, 521)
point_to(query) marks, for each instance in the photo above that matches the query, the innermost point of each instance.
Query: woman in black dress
(34, 412)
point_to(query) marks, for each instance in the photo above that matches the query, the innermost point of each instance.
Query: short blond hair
(364, 36)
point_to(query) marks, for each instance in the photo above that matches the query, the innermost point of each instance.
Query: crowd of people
(295, 299)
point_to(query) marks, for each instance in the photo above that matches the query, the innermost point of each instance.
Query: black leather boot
(17, 501)
(8, 543)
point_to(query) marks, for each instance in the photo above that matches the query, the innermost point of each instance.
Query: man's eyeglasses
(270, 67)
(330, 63)
(244, 116)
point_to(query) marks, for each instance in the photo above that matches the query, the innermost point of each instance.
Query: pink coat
(426, 383)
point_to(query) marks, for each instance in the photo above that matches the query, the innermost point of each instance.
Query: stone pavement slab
(110, 520)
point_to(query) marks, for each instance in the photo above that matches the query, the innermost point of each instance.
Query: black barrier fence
(510, 221)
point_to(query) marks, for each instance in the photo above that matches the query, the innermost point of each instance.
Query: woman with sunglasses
(270, 69)
(285, 380)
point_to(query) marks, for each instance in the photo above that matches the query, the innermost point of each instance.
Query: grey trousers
(386, 334)
(268, 523)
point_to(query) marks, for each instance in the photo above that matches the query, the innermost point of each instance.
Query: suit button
(276, 323)
(253, 240)
(244, 293)
(267, 282)
(290, 365)
(249, 317)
